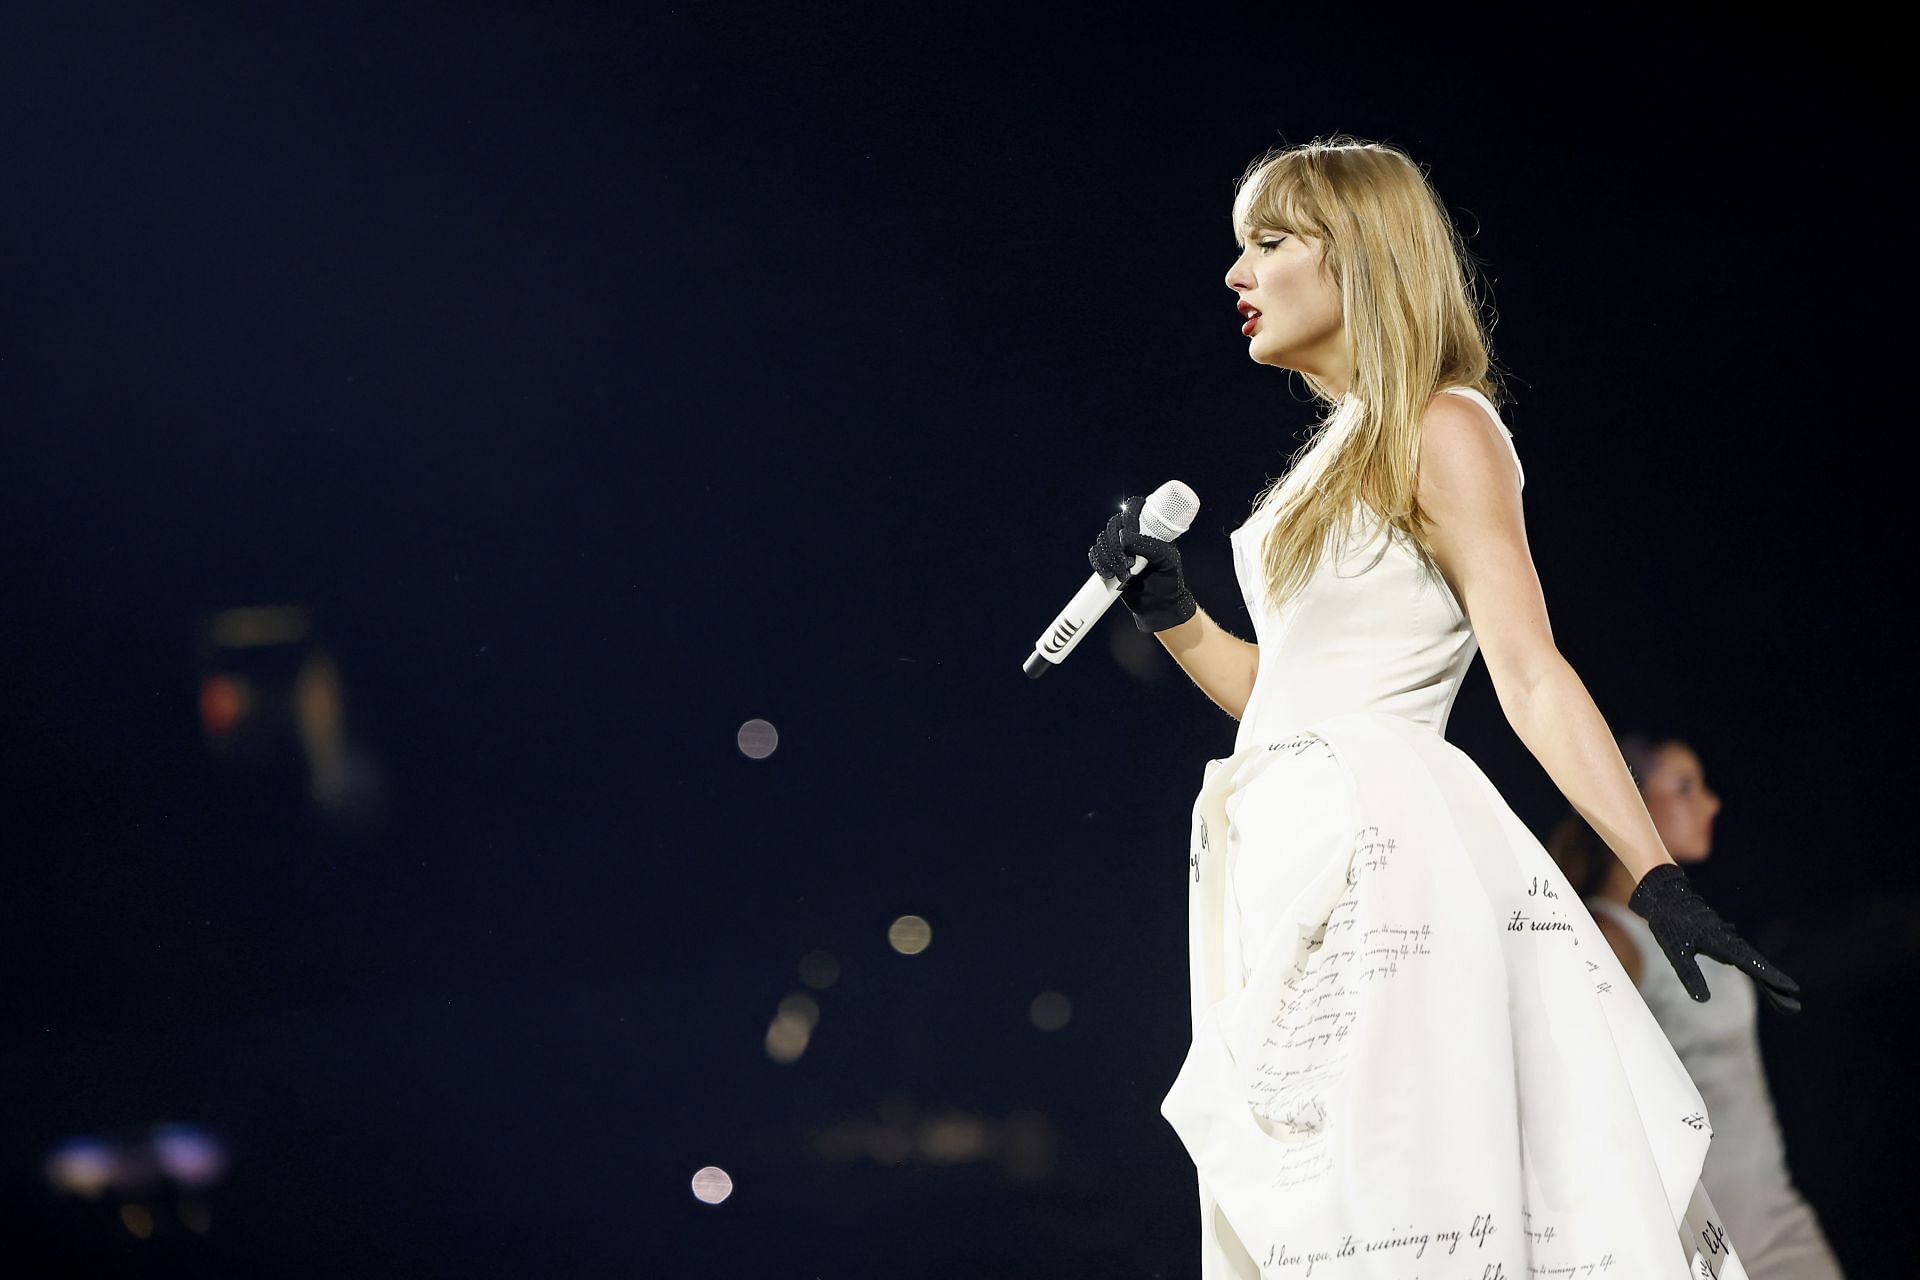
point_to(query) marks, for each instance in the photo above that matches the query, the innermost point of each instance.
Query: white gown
(1414, 1055)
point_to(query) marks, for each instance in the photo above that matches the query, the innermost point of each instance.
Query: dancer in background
(1413, 1052)
(1718, 1040)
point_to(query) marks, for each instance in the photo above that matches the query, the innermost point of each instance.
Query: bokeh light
(712, 1185)
(910, 935)
(953, 1137)
(1050, 1011)
(138, 1219)
(223, 701)
(789, 1033)
(84, 1166)
(800, 1005)
(258, 626)
(195, 1217)
(190, 1156)
(898, 1133)
(819, 969)
(757, 739)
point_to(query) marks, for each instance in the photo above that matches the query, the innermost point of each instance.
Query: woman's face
(1681, 803)
(1282, 277)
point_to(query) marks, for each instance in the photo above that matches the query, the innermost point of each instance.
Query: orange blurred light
(224, 701)
(85, 1166)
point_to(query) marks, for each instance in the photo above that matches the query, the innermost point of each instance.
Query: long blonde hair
(1411, 311)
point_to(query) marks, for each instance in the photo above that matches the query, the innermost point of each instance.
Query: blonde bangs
(1271, 197)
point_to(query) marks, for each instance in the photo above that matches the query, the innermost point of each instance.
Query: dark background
(599, 378)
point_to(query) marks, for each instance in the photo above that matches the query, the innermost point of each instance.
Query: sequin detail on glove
(1157, 596)
(1685, 926)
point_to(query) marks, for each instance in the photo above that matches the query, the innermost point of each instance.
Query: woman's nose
(1236, 276)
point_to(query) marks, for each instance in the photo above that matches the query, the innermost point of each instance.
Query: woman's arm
(1471, 493)
(1223, 665)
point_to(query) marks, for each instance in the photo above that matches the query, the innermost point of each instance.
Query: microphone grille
(1169, 511)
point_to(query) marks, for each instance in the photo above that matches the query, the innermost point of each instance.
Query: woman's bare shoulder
(1461, 444)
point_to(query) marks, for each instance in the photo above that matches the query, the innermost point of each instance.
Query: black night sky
(571, 385)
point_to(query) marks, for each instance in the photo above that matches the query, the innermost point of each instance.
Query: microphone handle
(1059, 639)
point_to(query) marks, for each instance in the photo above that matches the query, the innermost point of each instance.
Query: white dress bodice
(1374, 629)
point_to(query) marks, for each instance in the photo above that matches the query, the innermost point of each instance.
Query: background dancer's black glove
(1683, 924)
(1157, 596)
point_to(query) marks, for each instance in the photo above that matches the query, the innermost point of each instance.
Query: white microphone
(1168, 513)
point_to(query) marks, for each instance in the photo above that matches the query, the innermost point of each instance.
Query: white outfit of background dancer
(1414, 1055)
(1718, 1041)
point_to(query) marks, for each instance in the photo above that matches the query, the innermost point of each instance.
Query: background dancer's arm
(1471, 493)
(1223, 665)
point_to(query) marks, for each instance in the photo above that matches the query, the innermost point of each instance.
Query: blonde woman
(1718, 1040)
(1413, 1053)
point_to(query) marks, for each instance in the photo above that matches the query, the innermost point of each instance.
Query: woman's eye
(1271, 244)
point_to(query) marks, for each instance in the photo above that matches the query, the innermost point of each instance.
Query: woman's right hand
(1685, 926)
(1157, 596)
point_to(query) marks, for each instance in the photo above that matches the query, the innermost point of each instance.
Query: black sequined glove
(1157, 595)
(1683, 924)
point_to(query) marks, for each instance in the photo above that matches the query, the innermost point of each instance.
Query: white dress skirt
(1414, 1055)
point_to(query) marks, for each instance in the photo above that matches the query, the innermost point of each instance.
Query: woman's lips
(1246, 330)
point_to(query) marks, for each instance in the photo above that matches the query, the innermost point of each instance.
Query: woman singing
(1414, 1054)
